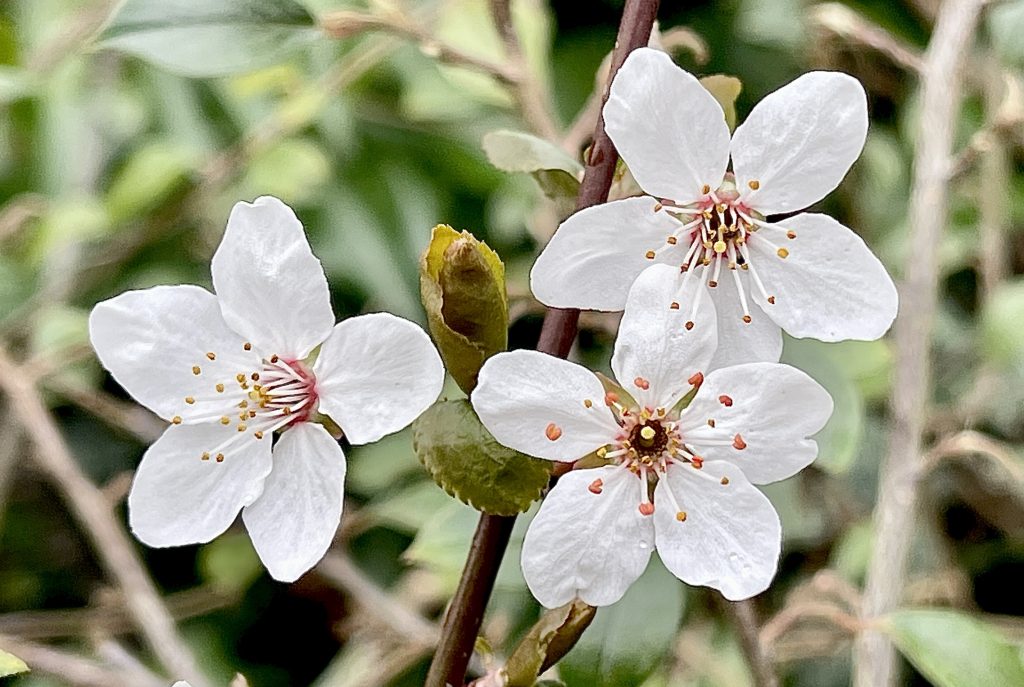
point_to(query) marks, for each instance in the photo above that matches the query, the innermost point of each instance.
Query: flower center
(714, 232)
(279, 393)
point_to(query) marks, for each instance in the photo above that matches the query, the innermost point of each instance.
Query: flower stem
(466, 612)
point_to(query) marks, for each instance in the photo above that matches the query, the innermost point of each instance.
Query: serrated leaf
(200, 38)
(462, 286)
(548, 640)
(11, 664)
(630, 638)
(466, 461)
(952, 649)
(725, 89)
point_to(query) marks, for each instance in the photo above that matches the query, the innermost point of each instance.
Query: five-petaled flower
(746, 424)
(812, 276)
(230, 370)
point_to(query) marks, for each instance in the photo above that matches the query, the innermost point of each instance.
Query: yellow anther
(705, 189)
(602, 452)
(754, 184)
(725, 480)
(649, 255)
(240, 378)
(241, 426)
(681, 516)
(252, 414)
(189, 400)
(205, 456)
(672, 240)
(720, 246)
(225, 420)
(782, 253)
(220, 388)
(176, 419)
(588, 403)
(196, 370)
(211, 355)
(258, 435)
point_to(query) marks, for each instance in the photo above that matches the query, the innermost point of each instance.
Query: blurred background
(117, 172)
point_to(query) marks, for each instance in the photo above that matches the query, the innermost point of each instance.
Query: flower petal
(773, 407)
(537, 404)
(293, 521)
(654, 348)
(669, 129)
(587, 544)
(799, 142)
(739, 341)
(177, 498)
(152, 341)
(830, 286)
(376, 374)
(730, 537)
(595, 255)
(272, 289)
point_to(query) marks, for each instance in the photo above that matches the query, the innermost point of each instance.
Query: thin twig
(846, 24)
(874, 660)
(744, 619)
(995, 171)
(96, 517)
(72, 669)
(465, 614)
(407, 625)
(532, 96)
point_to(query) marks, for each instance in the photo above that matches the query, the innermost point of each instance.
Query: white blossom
(808, 274)
(747, 424)
(232, 373)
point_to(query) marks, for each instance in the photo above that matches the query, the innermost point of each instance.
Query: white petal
(151, 340)
(669, 129)
(654, 348)
(177, 498)
(595, 255)
(738, 341)
(271, 287)
(293, 521)
(525, 398)
(588, 545)
(376, 374)
(799, 142)
(830, 286)
(730, 538)
(773, 407)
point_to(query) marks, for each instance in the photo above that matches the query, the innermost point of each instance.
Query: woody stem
(558, 332)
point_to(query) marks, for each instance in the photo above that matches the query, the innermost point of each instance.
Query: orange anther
(646, 508)
(681, 516)
(649, 255)
(611, 398)
(791, 234)
(553, 432)
(771, 299)
(725, 480)
(738, 443)
(696, 379)
(674, 306)
(642, 383)
(746, 319)
(672, 240)
(689, 325)
(697, 461)
(725, 400)
(211, 355)
(596, 486)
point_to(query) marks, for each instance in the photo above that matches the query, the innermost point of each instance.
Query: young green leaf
(466, 461)
(462, 286)
(555, 171)
(200, 38)
(725, 89)
(951, 649)
(11, 664)
(548, 640)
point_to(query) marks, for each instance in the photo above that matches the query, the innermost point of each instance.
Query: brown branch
(874, 659)
(465, 614)
(744, 619)
(113, 547)
(73, 669)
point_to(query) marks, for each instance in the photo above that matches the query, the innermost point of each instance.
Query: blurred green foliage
(117, 174)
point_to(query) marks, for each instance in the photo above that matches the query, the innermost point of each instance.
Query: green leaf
(548, 640)
(462, 286)
(230, 564)
(1000, 324)
(630, 638)
(465, 460)
(555, 171)
(952, 649)
(201, 38)
(153, 171)
(11, 664)
(725, 89)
